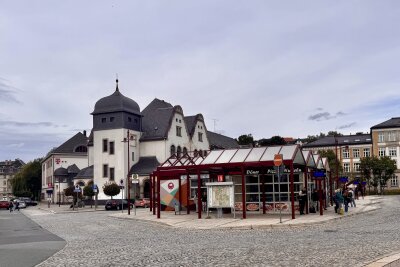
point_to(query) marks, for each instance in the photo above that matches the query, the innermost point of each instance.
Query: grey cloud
(347, 125)
(27, 124)
(320, 109)
(340, 113)
(6, 93)
(320, 116)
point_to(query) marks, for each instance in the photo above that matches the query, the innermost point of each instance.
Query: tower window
(112, 119)
(112, 148)
(178, 131)
(105, 170)
(105, 145)
(112, 173)
(103, 120)
(200, 137)
(129, 119)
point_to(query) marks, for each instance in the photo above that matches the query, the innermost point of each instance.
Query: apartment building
(8, 169)
(386, 142)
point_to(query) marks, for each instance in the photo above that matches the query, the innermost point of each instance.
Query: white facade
(116, 162)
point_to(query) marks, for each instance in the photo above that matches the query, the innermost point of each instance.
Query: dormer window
(81, 149)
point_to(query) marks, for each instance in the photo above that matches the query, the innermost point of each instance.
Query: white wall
(154, 148)
(195, 143)
(118, 161)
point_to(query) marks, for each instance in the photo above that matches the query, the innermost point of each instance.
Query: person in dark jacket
(11, 206)
(315, 199)
(302, 200)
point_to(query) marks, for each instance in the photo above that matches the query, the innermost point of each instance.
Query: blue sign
(344, 179)
(319, 174)
(94, 187)
(364, 183)
(356, 182)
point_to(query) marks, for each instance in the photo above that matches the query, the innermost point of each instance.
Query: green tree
(333, 161)
(366, 166)
(111, 189)
(27, 182)
(273, 141)
(245, 139)
(383, 170)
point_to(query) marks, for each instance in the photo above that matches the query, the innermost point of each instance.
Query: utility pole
(128, 182)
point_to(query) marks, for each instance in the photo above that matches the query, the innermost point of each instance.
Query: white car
(21, 204)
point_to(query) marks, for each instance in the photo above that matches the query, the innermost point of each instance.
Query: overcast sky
(288, 68)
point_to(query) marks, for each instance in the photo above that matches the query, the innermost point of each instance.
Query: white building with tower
(155, 133)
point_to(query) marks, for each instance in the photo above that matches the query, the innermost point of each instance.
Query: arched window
(184, 150)
(205, 153)
(81, 149)
(195, 153)
(200, 153)
(172, 150)
(179, 152)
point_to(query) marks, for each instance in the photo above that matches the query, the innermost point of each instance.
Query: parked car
(115, 204)
(21, 204)
(142, 202)
(4, 204)
(28, 201)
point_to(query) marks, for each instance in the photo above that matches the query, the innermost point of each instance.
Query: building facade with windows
(8, 169)
(350, 149)
(61, 165)
(127, 141)
(386, 142)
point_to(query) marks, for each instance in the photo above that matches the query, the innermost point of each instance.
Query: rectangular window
(178, 131)
(105, 145)
(356, 153)
(112, 171)
(105, 170)
(346, 167)
(356, 167)
(133, 156)
(381, 137)
(367, 152)
(112, 148)
(391, 136)
(200, 137)
(346, 154)
(112, 119)
(381, 151)
(392, 151)
(103, 120)
(393, 181)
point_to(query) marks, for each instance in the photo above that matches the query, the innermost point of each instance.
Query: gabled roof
(71, 144)
(85, 173)
(219, 141)
(156, 120)
(190, 122)
(145, 166)
(345, 140)
(392, 123)
(61, 172)
(308, 157)
(73, 169)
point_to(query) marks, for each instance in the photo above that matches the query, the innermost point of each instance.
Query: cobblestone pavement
(95, 239)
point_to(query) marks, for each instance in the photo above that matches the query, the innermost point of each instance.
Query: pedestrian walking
(340, 200)
(17, 205)
(11, 206)
(351, 197)
(315, 199)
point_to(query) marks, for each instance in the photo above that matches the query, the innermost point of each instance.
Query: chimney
(84, 133)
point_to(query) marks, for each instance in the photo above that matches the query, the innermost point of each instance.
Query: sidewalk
(190, 221)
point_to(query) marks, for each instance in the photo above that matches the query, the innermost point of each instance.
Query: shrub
(111, 189)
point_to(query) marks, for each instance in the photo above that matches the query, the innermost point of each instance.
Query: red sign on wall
(58, 161)
(220, 178)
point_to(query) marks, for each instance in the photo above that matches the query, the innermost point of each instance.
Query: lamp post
(128, 182)
(59, 192)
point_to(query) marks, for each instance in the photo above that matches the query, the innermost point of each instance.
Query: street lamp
(126, 140)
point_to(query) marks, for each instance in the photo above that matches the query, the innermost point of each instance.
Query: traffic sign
(278, 160)
(77, 189)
